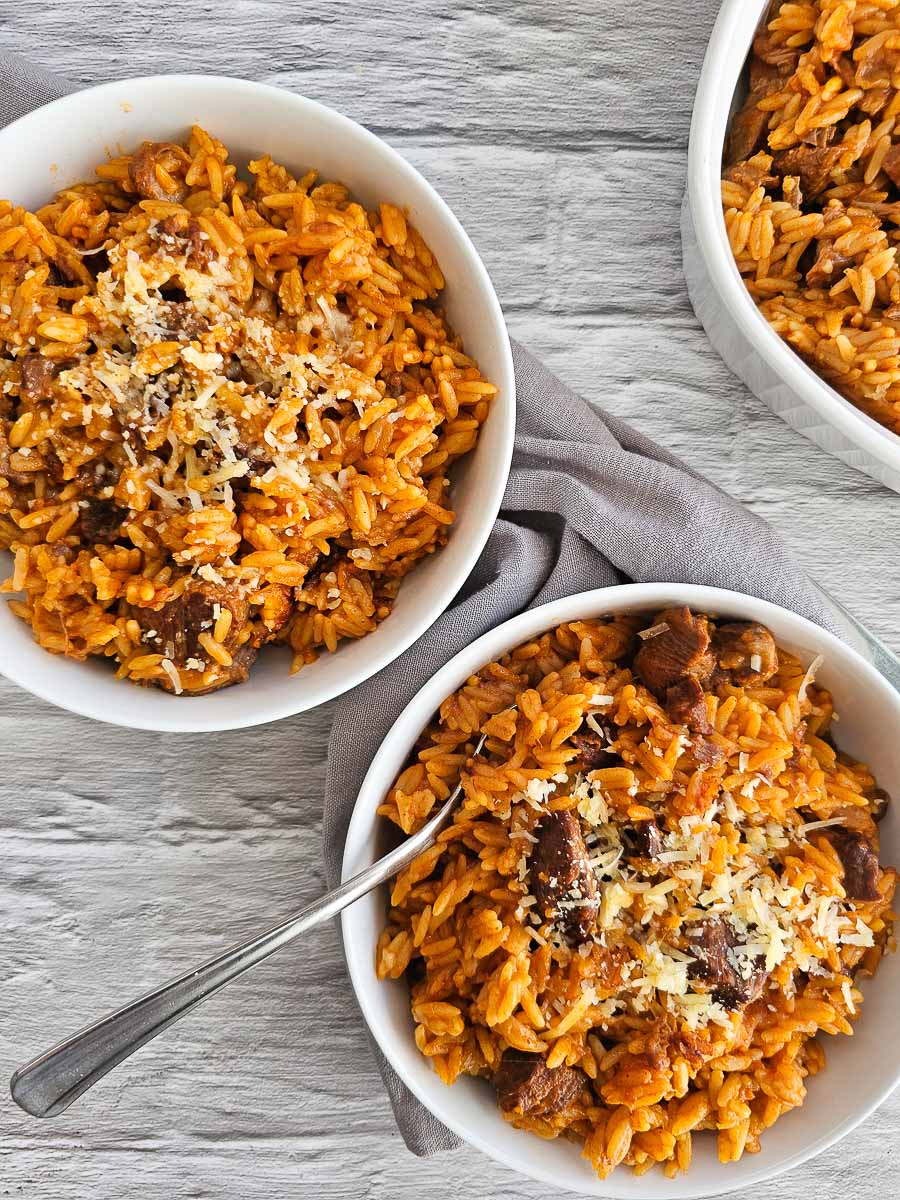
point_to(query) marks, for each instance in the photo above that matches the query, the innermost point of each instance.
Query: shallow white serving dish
(60, 144)
(861, 1070)
(742, 336)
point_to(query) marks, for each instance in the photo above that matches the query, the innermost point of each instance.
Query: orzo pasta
(662, 884)
(228, 407)
(811, 191)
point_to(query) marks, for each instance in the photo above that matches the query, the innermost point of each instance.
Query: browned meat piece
(142, 170)
(593, 748)
(101, 521)
(646, 838)
(747, 131)
(712, 941)
(707, 752)
(561, 877)
(891, 165)
(18, 478)
(175, 628)
(752, 174)
(181, 320)
(525, 1085)
(814, 165)
(881, 802)
(775, 54)
(681, 649)
(845, 67)
(829, 265)
(860, 863)
(184, 235)
(36, 378)
(686, 705)
(394, 385)
(747, 651)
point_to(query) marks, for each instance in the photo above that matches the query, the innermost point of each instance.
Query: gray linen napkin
(589, 503)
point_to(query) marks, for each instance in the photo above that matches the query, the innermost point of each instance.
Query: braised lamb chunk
(593, 747)
(394, 385)
(712, 942)
(36, 377)
(525, 1085)
(644, 839)
(881, 802)
(181, 320)
(755, 172)
(829, 264)
(813, 164)
(891, 165)
(143, 175)
(7, 471)
(859, 860)
(748, 129)
(561, 877)
(184, 235)
(682, 648)
(746, 651)
(101, 521)
(174, 629)
(775, 54)
(708, 752)
(686, 705)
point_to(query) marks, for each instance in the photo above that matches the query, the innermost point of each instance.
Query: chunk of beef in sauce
(829, 264)
(747, 651)
(891, 165)
(747, 132)
(7, 471)
(525, 1085)
(181, 234)
(100, 521)
(644, 840)
(859, 860)
(562, 880)
(181, 320)
(143, 175)
(679, 650)
(593, 747)
(813, 164)
(36, 378)
(686, 705)
(711, 941)
(174, 629)
(880, 804)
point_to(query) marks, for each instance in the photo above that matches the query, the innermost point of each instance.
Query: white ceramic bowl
(861, 1070)
(740, 333)
(60, 144)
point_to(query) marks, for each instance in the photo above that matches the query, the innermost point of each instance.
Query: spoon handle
(48, 1085)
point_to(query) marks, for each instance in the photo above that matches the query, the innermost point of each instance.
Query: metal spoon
(48, 1085)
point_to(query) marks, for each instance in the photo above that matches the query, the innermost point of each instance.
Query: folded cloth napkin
(589, 503)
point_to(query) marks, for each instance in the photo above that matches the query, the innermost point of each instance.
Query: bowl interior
(61, 144)
(860, 1071)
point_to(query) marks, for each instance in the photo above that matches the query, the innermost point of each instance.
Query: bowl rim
(726, 54)
(386, 764)
(490, 498)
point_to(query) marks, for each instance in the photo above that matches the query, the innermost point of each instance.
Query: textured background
(558, 133)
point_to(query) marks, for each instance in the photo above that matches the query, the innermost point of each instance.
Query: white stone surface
(558, 134)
